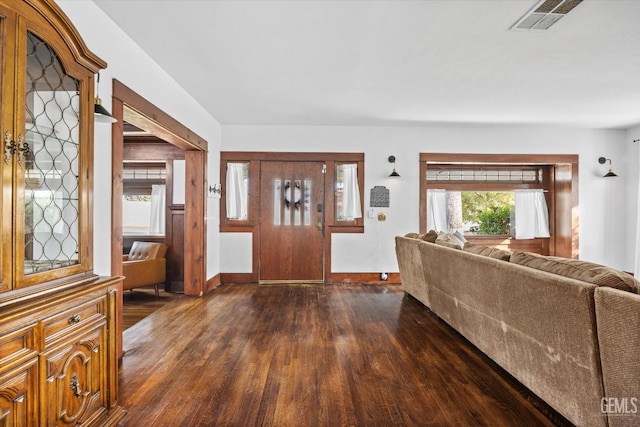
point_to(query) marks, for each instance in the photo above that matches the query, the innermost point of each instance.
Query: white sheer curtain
(158, 209)
(532, 215)
(350, 208)
(237, 191)
(437, 210)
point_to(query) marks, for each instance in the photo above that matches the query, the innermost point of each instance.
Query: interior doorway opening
(130, 108)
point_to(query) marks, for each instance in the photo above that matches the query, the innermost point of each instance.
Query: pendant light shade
(101, 114)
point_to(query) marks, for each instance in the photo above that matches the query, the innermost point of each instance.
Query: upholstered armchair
(145, 265)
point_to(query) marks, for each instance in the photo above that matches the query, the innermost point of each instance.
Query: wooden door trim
(562, 185)
(127, 104)
(156, 121)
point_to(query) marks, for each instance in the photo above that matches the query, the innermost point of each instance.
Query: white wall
(633, 225)
(133, 67)
(607, 206)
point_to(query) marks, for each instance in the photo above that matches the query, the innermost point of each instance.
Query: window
(237, 191)
(348, 204)
(522, 214)
(144, 199)
(524, 202)
(472, 212)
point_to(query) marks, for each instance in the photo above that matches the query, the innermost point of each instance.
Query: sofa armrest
(618, 322)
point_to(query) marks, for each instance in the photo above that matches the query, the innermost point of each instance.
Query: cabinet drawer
(17, 345)
(66, 322)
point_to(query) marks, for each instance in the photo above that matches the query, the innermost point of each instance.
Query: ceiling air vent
(545, 14)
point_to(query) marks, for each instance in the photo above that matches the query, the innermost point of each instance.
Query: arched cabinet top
(58, 20)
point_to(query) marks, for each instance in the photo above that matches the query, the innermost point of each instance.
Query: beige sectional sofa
(558, 335)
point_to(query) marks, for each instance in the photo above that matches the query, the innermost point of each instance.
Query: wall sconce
(602, 161)
(392, 159)
(101, 114)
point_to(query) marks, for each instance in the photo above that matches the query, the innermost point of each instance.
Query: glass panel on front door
(292, 204)
(50, 156)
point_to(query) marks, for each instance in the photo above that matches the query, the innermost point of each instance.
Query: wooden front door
(291, 222)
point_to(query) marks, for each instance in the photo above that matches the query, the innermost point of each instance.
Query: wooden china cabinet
(58, 361)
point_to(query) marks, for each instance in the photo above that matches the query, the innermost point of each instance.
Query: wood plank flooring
(339, 355)
(141, 302)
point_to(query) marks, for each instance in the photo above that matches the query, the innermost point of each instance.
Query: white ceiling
(341, 62)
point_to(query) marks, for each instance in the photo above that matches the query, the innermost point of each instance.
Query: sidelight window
(237, 191)
(348, 205)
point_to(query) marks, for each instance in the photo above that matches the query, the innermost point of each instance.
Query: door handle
(319, 224)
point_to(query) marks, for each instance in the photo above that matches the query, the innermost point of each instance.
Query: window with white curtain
(437, 210)
(144, 198)
(348, 205)
(520, 213)
(532, 215)
(481, 192)
(237, 191)
(158, 209)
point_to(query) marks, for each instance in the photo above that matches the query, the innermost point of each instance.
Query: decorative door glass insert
(50, 159)
(292, 202)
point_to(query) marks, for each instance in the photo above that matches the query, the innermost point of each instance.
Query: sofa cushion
(430, 236)
(487, 251)
(580, 270)
(460, 237)
(448, 244)
(412, 235)
(449, 238)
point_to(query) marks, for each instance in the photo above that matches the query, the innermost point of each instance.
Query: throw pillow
(431, 236)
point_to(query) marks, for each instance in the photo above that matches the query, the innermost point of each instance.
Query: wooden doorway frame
(561, 184)
(130, 106)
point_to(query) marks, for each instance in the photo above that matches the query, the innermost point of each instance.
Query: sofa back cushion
(146, 250)
(487, 251)
(580, 270)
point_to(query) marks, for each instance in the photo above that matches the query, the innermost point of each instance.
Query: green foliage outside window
(495, 220)
(490, 210)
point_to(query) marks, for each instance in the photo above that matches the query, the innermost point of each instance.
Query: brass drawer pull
(74, 319)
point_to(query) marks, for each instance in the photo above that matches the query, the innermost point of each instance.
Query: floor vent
(545, 14)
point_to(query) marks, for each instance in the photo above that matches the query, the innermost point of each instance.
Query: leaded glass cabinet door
(48, 167)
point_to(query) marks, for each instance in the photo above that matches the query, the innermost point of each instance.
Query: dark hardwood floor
(342, 355)
(141, 302)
